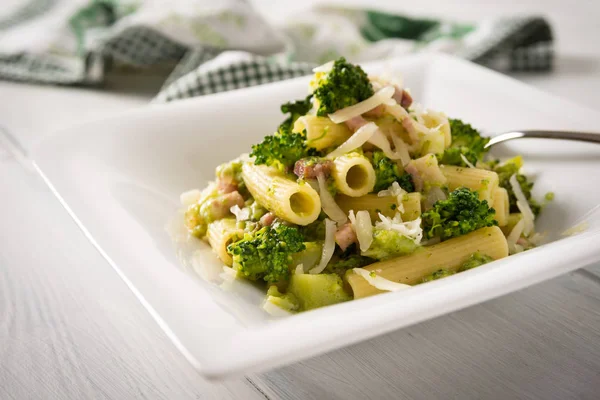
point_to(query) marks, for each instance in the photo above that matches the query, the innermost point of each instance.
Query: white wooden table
(70, 328)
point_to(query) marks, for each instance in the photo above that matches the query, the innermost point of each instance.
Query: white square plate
(120, 179)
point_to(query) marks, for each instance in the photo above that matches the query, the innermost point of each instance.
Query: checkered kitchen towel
(218, 46)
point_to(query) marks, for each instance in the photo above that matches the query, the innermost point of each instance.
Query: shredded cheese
(363, 228)
(396, 110)
(328, 203)
(360, 137)
(357, 109)
(328, 247)
(401, 149)
(380, 140)
(241, 214)
(380, 282)
(514, 235)
(537, 239)
(523, 205)
(410, 229)
(394, 190)
(417, 110)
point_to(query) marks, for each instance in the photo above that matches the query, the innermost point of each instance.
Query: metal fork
(563, 135)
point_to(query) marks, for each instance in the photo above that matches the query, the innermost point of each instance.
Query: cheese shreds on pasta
(381, 96)
(328, 203)
(360, 137)
(328, 247)
(523, 205)
(361, 223)
(380, 282)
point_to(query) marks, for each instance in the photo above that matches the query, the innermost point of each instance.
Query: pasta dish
(361, 191)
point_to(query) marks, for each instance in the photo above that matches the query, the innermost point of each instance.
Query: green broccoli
(387, 172)
(475, 260)
(296, 109)
(467, 141)
(285, 147)
(343, 264)
(439, 274)
(345, 85)
(317, 290)
(282, 150)
(315, 231)
(389, 244)
(267, 253)
(461, 213)
(285, 301)
(508, 169)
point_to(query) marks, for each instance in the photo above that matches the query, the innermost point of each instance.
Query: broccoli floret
(285, 147)
(314, 231)
(475, 260)
(343, 264)
(345, 85)
(388, 244)
(387, 172)
(508, 169)
(296, 109)
(461, 213)
(285, 301)
(467, 141)
(317, 290)
(267, 253)
(282, 150)
(439, 274)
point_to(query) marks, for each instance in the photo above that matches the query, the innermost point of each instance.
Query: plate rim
(228, 365)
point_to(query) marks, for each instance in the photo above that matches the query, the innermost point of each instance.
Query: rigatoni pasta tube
(220, 234)
(450, 255)
(501, 205)
(321, 132)
(295, 202)
(386, 205)
(353, 174)
(480, 180)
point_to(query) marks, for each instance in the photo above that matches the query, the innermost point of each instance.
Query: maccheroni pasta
(361, 191)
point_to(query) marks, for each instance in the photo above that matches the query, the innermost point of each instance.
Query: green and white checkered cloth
(225, 46)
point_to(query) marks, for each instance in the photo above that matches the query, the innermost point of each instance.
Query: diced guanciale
(403, 98)
(267, 219)
(345, 236)
(307, 168)
(375, 112)
(219, 207)
(225, 185)
(356, 123)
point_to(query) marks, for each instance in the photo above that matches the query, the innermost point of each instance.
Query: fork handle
(563, 135)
